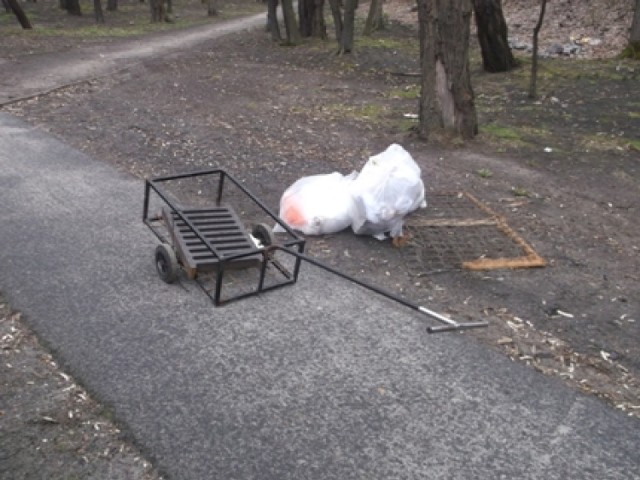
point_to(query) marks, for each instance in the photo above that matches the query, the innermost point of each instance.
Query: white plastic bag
(318, 204)
(386, 190)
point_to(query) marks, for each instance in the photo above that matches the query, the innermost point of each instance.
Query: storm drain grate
(456, 230)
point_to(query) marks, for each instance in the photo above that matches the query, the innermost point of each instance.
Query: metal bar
(220, 187)
(449, 323)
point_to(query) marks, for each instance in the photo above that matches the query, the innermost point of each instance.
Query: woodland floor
(562, 170)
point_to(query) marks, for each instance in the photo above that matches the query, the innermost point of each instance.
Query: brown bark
(20, 15)
(493, 36)
(446, 98)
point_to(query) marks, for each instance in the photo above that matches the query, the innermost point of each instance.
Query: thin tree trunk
(20, 15)
(212, 8)
(272, 20)
(446, 98)
(493, 36)
(97, 8)
(635, 25)
(375, 19)
(291, 26)
(633, 48)
(112, 5)
(337, 18)
(348, 27)
(534, 56)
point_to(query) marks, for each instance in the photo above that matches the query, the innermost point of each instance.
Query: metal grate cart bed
(204, 237)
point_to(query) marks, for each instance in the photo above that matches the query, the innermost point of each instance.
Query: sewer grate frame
(458, 231)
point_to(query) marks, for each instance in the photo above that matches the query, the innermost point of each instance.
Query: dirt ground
(562, 170)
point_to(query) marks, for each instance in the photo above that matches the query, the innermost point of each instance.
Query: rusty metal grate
(456, 230)
(222, 230)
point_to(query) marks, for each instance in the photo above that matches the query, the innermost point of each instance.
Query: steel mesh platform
(456, 231)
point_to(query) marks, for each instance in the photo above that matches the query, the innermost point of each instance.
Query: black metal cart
(203, 236)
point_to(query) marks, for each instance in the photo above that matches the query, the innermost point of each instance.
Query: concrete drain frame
(457, 230)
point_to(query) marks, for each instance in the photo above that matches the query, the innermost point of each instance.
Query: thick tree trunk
(348, 27)
(311, 16)
(97, 8)
(533, 84)
(291, 26)
(20, 15)
(73, 7)
(272, 20)
(337, 18)
(157, 10)
(375, 20)
(493, 36)
(446, 98)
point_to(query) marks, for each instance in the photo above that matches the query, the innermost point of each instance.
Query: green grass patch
(498, 131)
(409, 91)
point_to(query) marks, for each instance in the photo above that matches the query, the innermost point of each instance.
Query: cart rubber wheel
(264, 234)
(166, 263)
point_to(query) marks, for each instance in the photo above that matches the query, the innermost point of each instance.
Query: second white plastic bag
(388, 188)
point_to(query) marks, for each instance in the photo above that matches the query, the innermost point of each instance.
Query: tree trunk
(291, 26)
(311, 17)
(112, 5)
(346, 39)
(318, 25)
(157, 10)
(337, 18)
(375, 20)
(272, 20)
(97, 8)
(446, 98)
(73, 7)
(212, 8)
(534, 56)
(20, 15)
(7, 7)
(493, 36)
(633, 48)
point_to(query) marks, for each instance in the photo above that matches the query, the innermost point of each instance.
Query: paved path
(320, 380)
(34, 75)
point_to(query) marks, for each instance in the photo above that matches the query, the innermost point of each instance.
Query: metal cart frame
(224, 262)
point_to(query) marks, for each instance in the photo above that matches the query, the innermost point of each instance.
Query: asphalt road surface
(320, 380)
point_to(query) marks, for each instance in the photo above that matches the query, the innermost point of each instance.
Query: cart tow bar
(448, 323)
